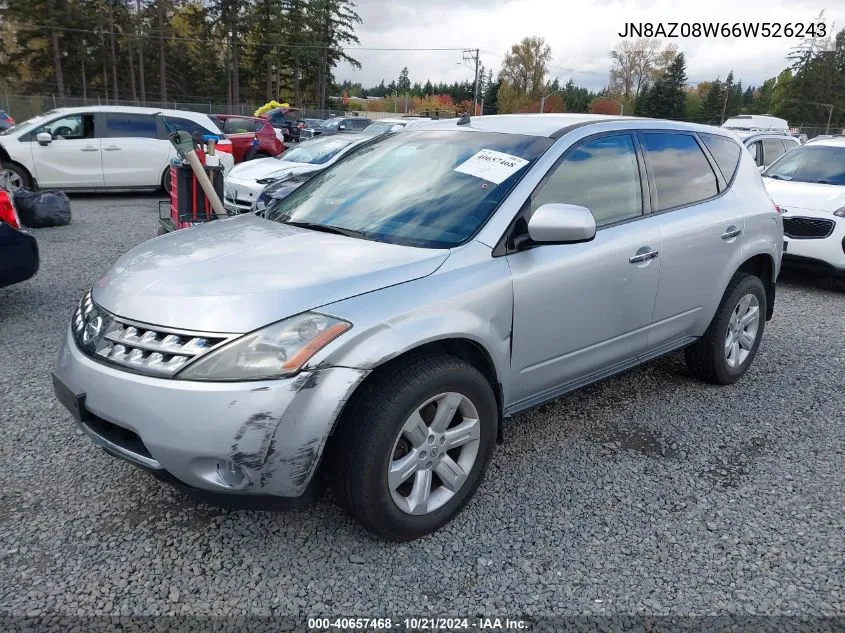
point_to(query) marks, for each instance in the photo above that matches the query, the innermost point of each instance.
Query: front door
(583, 310)
(73, 157)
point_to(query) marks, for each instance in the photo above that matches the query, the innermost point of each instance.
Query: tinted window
(772, 150)
(76, 126)
(432, 189)
(682, 173)
(725, 152)
(819, 164)
(360, 124)
(186, 125)
(789, 143)
(130, 125)
(601, 175)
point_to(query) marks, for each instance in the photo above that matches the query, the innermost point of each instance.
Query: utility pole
(472, 55)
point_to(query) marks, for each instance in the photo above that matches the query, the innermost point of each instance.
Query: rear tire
(166, 183)
(432, 414)
(728, 347)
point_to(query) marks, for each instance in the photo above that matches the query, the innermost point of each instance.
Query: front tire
(17, 176)
(728, 347)
(414, 446)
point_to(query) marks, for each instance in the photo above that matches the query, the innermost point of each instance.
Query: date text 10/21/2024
(418, 624)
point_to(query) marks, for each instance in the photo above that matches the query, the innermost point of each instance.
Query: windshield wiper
(327, 228)
(776, 176)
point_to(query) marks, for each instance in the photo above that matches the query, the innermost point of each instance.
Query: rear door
(772, 150)
(133, 153)
(73, 158)
(241, 131)
(701, 228)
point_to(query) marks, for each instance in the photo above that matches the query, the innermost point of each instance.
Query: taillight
(8, 213)
(224, 147)
(301, 125)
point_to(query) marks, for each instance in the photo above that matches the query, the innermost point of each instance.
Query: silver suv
(384, 320)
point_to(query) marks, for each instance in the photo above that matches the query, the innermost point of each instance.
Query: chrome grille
(807, 228)
(147, 349)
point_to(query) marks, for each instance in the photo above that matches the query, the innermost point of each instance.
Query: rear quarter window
(725, 152)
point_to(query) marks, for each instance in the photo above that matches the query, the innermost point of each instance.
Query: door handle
(731, 232)
(88, 148)
(112, 148)
(643, 257)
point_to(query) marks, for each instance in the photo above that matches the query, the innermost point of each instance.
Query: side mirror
(44, 138)
(562, 224)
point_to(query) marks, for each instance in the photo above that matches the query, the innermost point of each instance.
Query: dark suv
(341, 125)
(287, 120)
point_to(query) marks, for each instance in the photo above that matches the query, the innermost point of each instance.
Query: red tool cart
(189, 204)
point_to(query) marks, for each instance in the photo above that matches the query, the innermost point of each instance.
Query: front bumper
(828, 252)
(273, 430)
(239, 195)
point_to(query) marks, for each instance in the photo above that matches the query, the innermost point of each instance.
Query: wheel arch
(465, 349)
(762, 265)
(6, 159)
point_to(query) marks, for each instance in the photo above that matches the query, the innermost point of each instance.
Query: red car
(241, 130)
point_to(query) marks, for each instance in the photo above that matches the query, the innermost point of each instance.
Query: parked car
(401, 305)
(308, 127)
(18, 248)
(339, 125)
(242, 130)
(808, 184)
(287, 120)
(242, 186)
(100, 147)
(757, 122)
(6, 121)
(383, 126)
(767, 147)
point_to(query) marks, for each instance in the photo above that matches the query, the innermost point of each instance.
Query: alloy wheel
(12, 179)
(434, 453)
(742, 331)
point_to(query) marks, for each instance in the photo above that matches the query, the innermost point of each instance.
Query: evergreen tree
(711, 106)
(428, 89)
(403, 85)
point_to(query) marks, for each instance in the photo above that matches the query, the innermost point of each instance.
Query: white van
(753, 122)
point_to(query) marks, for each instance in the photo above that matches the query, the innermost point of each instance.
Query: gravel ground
(647, 493)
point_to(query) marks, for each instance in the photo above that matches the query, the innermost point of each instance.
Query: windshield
(330, 124)
(819, 164)
(23, 126)
(432, 189)
(316, 152)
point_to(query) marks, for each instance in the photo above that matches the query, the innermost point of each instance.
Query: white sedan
(246, 181)
(100, 147)
(808, 184)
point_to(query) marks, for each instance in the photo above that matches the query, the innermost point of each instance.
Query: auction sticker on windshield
(488, 164)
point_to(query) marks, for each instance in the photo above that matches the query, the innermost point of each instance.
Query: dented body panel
(274, 430)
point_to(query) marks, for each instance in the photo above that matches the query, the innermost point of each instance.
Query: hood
(263, 167)
(805, 195)
(238, 274)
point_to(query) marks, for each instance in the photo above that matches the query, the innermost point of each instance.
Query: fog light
(231, 474)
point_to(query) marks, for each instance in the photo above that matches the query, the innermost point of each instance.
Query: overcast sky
(580, 33)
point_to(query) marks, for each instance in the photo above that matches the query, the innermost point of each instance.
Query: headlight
(840, 212)
(278, 350)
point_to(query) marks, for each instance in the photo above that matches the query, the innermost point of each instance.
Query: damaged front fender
(280, 451)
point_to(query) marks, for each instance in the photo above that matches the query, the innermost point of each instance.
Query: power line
(204, 41)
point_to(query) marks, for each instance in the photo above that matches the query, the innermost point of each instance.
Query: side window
(682, 173)
(186, 125)
(237, 125)
(130, 126)
(359, 124)
(772, 150)
(725, 151)
(602, 175)
(75, 126)
(789, 144)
